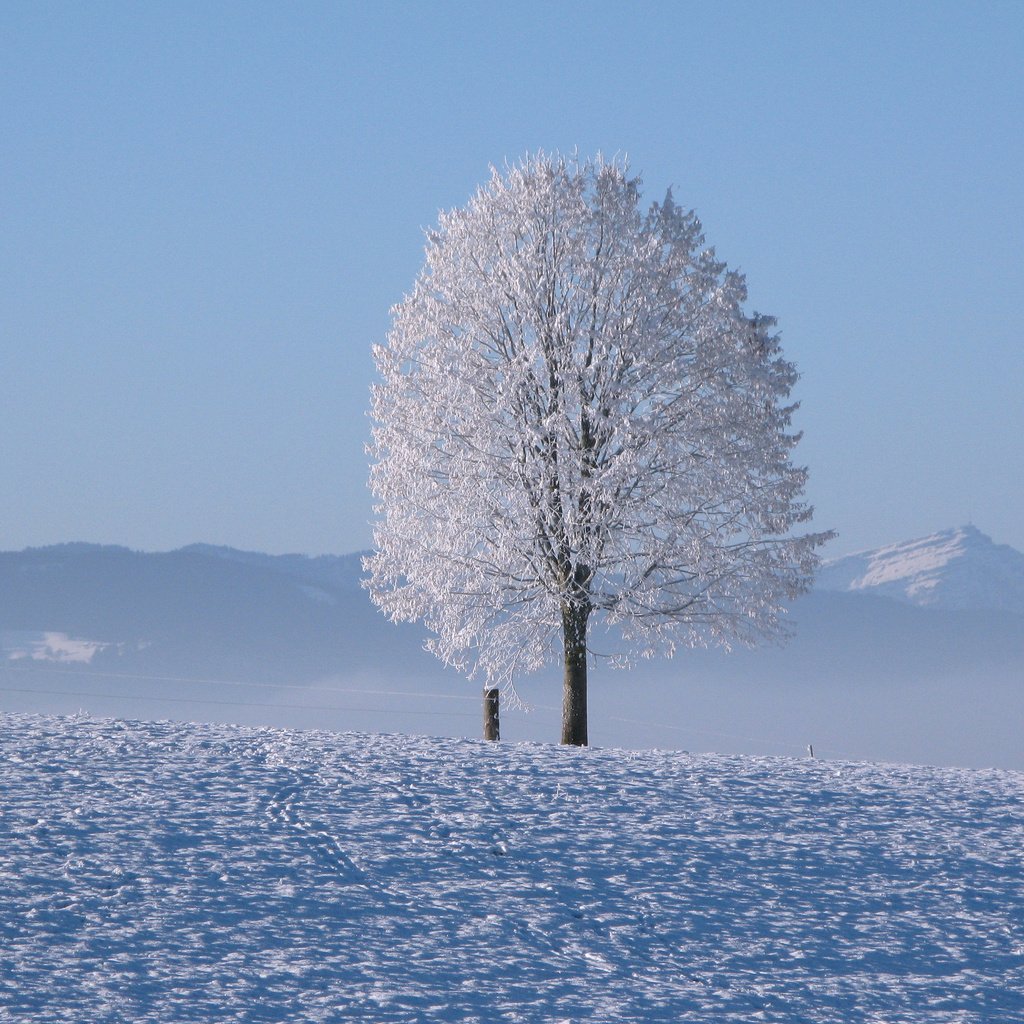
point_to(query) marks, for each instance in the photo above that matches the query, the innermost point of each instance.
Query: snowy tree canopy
(576, 422)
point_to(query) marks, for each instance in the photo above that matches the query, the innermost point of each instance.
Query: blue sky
(206, 212)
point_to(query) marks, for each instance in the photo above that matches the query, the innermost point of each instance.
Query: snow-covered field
(178, 873)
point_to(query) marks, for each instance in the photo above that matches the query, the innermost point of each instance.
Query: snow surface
(954, 569)
(183, 873)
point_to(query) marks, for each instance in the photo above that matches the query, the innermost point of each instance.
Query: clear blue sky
(206, 211)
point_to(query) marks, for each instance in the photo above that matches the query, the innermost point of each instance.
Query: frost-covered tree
(576, 423)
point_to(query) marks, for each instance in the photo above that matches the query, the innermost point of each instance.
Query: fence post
(491, 728)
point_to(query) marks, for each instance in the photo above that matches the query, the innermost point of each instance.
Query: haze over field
(912, 653)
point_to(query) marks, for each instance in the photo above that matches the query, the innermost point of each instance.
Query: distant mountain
(960, 569)
(200, 612)
(898, 655)
(341, 571)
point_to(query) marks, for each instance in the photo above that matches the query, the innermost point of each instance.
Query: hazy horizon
(830, 551)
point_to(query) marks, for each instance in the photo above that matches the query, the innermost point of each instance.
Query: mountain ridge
(956, 569)
(959, 568)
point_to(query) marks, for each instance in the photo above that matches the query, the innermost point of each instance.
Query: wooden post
(491, 728)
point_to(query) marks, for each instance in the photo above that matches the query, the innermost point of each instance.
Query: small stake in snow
(491, 729)
(810, 750)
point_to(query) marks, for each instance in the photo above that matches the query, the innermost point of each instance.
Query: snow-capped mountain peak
(960, 568)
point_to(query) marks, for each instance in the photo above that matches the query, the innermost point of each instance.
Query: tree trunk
(574, 692)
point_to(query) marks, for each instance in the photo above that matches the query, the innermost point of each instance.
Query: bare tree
(576, 421)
